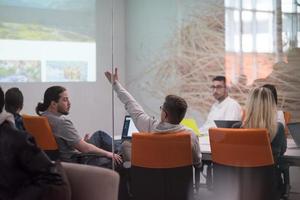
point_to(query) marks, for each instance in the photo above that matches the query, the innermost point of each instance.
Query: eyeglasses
(216, 87)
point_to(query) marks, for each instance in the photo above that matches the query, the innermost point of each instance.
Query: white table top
(292, 149)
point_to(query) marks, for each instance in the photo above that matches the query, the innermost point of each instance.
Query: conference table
(292, 154)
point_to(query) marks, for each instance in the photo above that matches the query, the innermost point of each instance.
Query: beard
(63, 111)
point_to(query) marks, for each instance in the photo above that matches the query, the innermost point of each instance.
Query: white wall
(149, 25)
(91, 107)
(152, 30)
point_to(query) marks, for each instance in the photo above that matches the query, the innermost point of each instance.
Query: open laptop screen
(294, 129)
(225, 123)
(128, 128)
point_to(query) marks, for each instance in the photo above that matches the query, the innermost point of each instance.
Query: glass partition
(177, 47)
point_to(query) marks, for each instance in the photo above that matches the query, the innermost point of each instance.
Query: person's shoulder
(190, 131)
(280, 112)
(232, 101)
(5, 116)
(52, 117)
(11, 131)
(48, 114)
(57, 120)
(215, 104)
(280, 134)
(66, 125)
(280, 126)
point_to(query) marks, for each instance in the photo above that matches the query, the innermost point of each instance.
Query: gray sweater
(145, 123)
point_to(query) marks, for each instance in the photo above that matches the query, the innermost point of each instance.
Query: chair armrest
(84, 158)
(92, 183)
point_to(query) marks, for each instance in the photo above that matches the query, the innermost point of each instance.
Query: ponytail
(40, 108)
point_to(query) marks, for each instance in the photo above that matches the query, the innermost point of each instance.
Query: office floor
(205, 194)
(295, 183)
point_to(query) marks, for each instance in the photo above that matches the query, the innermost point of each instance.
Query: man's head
(13, 100)
(56, 100)
(173, 110)
(219, 88)
(1, 99)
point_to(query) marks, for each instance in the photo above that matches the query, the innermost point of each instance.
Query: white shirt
(228, 109)
(280, 117)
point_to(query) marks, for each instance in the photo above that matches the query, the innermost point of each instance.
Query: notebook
(225, 123)
(128, 128)
(191, 123)
(294, 129)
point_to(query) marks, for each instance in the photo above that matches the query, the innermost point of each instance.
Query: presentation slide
(47, 41)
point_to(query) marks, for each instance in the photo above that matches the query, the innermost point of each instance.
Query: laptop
(294, 129)
(128, 128)
(191, 123)
(225, 123)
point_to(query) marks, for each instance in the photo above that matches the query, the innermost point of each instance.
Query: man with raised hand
(171, 113)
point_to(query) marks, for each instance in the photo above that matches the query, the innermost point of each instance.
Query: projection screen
(47, 41)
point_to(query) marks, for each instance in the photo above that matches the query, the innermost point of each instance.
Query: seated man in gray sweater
(172, 112)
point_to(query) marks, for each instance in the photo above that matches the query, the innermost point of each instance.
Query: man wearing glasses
(225, 108)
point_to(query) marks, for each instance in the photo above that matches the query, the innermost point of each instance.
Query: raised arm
(142, 121)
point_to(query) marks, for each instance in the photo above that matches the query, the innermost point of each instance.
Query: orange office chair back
(243, 164)
(161, 150)
(39, 128)
(241, 147)
(161, 166)
(287, 119)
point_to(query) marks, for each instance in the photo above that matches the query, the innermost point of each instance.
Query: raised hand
(86, 137)
(112, 77)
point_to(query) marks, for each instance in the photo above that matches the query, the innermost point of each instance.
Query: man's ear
(166, 116)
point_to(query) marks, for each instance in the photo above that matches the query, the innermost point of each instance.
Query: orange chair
(243, 164)
(287, 119)
(161, 166)
(40, 129)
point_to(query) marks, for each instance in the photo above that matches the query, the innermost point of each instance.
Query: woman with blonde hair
(261, 112)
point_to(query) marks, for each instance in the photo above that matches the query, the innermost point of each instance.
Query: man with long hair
(55, 107)
(25, 170)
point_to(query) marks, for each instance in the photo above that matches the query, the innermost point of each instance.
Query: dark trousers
(104, 141)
